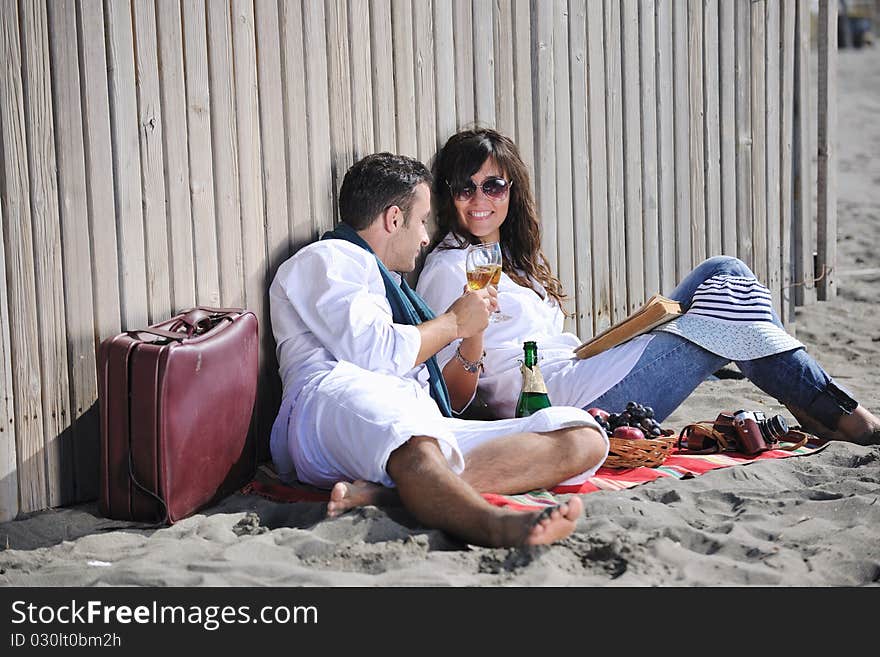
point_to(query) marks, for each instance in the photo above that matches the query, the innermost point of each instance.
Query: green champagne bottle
(533, 396)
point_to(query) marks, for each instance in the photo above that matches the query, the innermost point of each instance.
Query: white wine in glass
(483, 266)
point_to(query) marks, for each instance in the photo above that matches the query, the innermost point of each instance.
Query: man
(364, 403)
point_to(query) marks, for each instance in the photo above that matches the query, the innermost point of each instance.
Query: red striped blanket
(678, 465)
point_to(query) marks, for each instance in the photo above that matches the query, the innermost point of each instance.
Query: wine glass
(483, 266)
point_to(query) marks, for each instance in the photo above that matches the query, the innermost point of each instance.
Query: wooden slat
(522, 71)
(314, 43)
(602, 316)
(361, 85)
(649, 173)
(20, 284)
(293, 87)
(423, 62)
(681, 121)
(772, 117)
(252, 213)
(786, 204)
(339, 84)
(503, 56)
(250, 155)
(385, 137)
(99, 168)
(79, 443)
(582, 294)
(273, 136)
(665, 148)
(444, 72)
(484, 62)
(712, 123)
(201, 158)
(802, 219)
(826, 213)
(545, 129)
(742, 81)
(614, 153)
(727, 118)
(563, 178)
(695, 133)
(150, 129)
(224, 141)
(404, 78)
(632, 156)
(462, 14)
(126, 166)
(177, 175)
(759, 142)
(8, 461)
(46, 227)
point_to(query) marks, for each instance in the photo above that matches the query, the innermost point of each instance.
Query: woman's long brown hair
(459, 159)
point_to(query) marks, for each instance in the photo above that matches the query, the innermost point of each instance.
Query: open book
(656, 310)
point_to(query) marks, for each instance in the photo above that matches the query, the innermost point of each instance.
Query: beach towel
(678, 465)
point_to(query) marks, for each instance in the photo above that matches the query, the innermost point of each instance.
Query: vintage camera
(756, 433)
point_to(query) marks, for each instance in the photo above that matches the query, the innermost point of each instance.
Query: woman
(483, 194)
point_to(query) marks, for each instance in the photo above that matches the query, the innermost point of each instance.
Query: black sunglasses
(494, 187)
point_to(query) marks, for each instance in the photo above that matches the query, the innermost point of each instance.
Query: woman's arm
(463, 374)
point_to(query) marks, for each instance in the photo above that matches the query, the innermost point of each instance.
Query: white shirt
(570, 381)
(341, 314)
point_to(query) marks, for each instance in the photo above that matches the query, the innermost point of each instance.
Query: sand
(807, 521)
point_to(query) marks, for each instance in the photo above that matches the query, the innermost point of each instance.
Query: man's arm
(465, 318)
(339, 296)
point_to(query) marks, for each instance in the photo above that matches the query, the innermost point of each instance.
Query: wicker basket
(626, 453)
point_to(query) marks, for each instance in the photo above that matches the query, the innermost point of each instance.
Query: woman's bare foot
(861, 427)
(348, 495)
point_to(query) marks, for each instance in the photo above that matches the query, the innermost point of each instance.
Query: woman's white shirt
(570, 381)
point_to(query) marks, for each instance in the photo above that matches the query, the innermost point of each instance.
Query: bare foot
(812, 426)
(861, 427)
(554, 523)
(348, 495)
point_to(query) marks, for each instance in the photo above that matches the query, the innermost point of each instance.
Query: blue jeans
(671, 367)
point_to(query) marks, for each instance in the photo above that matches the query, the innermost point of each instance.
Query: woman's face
(482, 215)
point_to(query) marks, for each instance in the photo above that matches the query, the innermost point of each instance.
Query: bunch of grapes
(636, 422)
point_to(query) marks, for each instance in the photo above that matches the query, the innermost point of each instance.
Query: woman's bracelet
(470, 366)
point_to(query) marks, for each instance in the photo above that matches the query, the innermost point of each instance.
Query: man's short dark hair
(375, 183)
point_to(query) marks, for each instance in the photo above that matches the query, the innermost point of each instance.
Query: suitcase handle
(198, 320)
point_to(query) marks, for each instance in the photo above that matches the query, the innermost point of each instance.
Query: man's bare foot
(555, 523)
(348, 495)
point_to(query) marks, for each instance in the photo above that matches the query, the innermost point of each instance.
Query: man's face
(412, 233)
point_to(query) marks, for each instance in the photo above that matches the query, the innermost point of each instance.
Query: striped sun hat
(732, 316)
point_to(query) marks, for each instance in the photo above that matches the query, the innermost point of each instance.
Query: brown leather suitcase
(176, 401)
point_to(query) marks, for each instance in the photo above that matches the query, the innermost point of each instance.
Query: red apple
(629, 433)
(598, 412)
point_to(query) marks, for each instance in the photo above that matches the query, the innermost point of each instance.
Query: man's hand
(467, 317)
(472, 309)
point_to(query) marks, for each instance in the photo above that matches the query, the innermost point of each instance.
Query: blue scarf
(407, 307)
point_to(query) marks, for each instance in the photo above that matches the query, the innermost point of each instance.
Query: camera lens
(776, 426)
